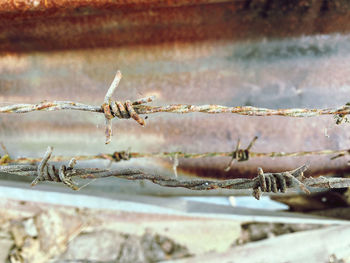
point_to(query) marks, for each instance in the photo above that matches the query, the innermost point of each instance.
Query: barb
(46, 172)
(118, 156)
(274, 182)
(341, 118)
(128, 109)
(119, 109)
(239, 154)
(6, 157)
(3, 147)
(341, 154)
(175, 164)
(43, 165)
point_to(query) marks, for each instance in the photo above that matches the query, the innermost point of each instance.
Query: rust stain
(15, 6)
(46, 105)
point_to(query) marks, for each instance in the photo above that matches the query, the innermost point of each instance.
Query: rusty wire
(124, 110)
(264, 182)
(127, 155)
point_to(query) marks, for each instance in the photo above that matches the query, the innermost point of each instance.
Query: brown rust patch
(44, 106)
(63, 24)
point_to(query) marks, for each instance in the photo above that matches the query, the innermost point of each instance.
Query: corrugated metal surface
(60, 24)
(183, 52)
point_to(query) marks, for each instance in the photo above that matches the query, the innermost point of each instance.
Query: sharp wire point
(240, 155)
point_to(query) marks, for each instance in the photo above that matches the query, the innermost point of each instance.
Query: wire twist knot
(341, 155)
(278, 182)
(123, 155)
(341, 118)
(5, 159)
(48, 172)
(120, 110)
(240, 155)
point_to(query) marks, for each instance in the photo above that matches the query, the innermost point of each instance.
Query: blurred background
(263, 53)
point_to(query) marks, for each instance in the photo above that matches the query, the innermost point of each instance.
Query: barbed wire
(238, 155)
(263, 182)
(125, 110)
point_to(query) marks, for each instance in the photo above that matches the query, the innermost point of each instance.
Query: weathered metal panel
(182, 52)
(61, 24)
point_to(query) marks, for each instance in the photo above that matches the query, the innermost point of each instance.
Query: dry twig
(130, 109)
(264, 182)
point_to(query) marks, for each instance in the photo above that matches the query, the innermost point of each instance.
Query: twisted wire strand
(48, 172)
(264, 182)
(126, 110)
(118, 156)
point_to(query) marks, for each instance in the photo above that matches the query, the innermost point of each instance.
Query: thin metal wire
(264, 182)
(127, 155)
(130, 109)
(177, 108)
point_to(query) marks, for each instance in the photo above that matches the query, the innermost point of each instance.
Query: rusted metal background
(263, 53)
(61, 24)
